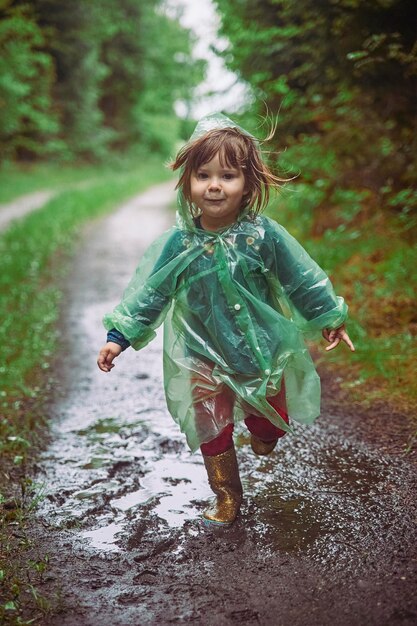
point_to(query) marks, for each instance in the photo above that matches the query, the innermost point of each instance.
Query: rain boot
(262, 447)
(264, 435)
(224, 480)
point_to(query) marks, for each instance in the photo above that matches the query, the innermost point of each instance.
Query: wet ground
(327, 530)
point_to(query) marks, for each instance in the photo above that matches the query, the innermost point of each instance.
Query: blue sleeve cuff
(117, 337)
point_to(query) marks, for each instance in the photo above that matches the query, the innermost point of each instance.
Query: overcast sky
(200, 16)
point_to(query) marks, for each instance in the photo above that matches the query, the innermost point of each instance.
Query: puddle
(318, 496)
(169, 491)
(287, 525)
(175, 483)
(130, 500)
(310, 497)
(346, 470)
(104, 538)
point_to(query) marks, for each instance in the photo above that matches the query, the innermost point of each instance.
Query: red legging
(261, 427)
(220, 406)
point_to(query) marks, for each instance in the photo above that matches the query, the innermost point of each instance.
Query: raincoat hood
(215, 121)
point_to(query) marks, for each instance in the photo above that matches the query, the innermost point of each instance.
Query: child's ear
(246, 197)
(246, 190)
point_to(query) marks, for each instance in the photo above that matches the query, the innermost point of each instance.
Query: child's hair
(235, 149)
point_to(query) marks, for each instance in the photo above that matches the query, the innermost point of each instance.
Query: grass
(22, 566)
(35, 254)
(363, 249)
(17, 180)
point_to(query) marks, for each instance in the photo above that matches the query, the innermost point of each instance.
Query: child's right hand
(106, 355)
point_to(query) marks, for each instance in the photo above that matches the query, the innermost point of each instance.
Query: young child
(237, 294)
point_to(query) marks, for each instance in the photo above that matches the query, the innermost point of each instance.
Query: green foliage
(90, 77)
(19, 179)
(158, 131)
(26, 76)
(169, 75)
(374, 273)
(340, 72)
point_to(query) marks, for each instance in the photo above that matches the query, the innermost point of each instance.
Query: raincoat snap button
(237, 307)
(267, 372)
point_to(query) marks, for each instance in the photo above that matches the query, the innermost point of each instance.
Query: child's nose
(214, 184)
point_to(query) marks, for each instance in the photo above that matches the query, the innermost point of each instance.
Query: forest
(79, 79)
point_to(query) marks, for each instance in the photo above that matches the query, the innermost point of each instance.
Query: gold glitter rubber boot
(224, 480)
(262, 447)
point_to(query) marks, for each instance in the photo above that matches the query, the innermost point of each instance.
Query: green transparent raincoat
(236, 305)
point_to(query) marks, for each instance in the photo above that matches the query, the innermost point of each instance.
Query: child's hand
(106, 355)
(335, 336)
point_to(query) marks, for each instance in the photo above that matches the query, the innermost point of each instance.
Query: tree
(102, 74)
(169, 74)
(28, 122)
(341, 70)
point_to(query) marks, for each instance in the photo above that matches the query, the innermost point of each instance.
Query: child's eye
(201, 176)
(228, 176)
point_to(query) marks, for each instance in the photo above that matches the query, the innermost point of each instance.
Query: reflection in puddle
(175, 484)
(96, 490)
(174, 512)
(104, 538)
(102, 427)
(316, 499)
(129, 500)
(288, 525)
(171, 488)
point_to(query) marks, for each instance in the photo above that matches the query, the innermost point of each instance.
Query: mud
(327, 529)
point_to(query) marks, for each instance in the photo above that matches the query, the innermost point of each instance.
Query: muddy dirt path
(327, 527)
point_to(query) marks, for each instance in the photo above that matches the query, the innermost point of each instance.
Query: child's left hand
(335, 335)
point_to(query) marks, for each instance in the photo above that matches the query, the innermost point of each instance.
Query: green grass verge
(372, 265)
(35, 254)
(17, 180)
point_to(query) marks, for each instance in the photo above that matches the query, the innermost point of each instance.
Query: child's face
(218, 191)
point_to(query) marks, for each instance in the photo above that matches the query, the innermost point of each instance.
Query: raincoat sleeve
(148, 295)
(305, 290)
